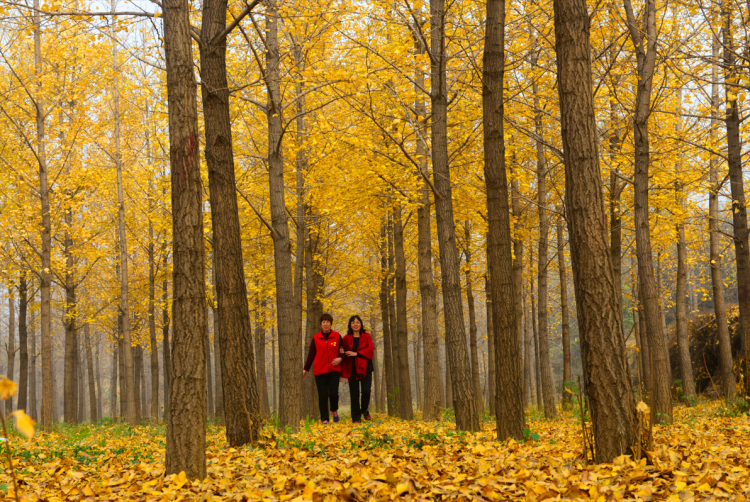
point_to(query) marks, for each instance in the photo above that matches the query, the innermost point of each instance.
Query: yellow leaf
(24, 423)
(642, 407)
(8, 388)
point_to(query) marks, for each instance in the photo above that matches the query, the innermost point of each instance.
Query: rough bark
(491, 393)
(113, 383)
(301, 167)
(260, 360)
(166, 352)
(405, 406)
(433, 387)
(537, 357)
(273, 371)
(45, 273)
(11, 346)
(154, 353)
(473, 352)
(218, 378)
(240, 396)
(518, 267)
(606, 371)
(395, 353)
(386, 320)
(565, 321)
(508, 350)
(715, 259)
(646, 61)
(732, 72)
(137, 383)
(186, 424)
(530, 357)
(209, 373)
(289, 391)
(464, 401)
(23, 345)
(32, 404)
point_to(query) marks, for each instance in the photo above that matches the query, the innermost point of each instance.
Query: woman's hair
(349, 330)
(326, 317)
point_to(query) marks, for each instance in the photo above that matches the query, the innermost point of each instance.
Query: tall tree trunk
(314, 308)
(491, 393)
(548, 387)
(93, 411)
(405, 407)
(121, 369)
(209, 374)
(683, 344)
(537, 356)
(474, 353)
(507, 344)
(717, 281)
(218, 377)
(565, 322)
(732, 71)
(99, 388)
(32, 404)
(240, 395)
(129, 409)
(166, 352)
(45, 272)
(386, 320)
(606, 373)
(82, 378)
(301, 167)
(260, 359)
(395, 352)
(289, 392)
(11, 346)
(418, 369)
(154, 354)
(113, 383)
(464, 401)
(70, 375)
(186, 424)
(273, 370)
(530, 355)
(138, 382)
(646, 60)
(23, 349)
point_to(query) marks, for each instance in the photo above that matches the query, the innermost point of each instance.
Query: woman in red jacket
(357, 367)
(324, 356)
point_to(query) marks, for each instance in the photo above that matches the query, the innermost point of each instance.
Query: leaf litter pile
(703, 455)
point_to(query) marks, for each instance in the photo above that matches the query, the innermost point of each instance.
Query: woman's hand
(351, 353)
(304, 374)
(336, 361)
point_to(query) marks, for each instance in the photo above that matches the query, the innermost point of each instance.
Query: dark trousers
(355, 387)
(328, 388)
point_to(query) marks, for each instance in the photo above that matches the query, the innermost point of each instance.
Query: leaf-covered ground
(703, 455)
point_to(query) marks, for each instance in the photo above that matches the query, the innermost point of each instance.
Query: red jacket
(326, 350)
(366, 349)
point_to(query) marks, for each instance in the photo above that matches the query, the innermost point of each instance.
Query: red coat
(366, 349)
(326, 350)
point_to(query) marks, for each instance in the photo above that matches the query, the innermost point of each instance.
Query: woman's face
(356, 325)
(326, 325)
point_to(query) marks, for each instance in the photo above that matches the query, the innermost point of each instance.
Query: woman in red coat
(325, 359)
(357, 367)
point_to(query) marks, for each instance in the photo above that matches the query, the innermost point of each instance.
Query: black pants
(354, 390)
(328, 388)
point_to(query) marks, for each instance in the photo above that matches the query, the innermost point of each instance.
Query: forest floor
(704, 454)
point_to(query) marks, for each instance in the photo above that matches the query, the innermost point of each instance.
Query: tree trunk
(464, 401)
(260, 359)
(166, 352)
(45, 273)
(32, 404)
(386, 320)
(240, 397)
(93, 411)
(530, 356)
(395, 353)
(137, 382)
(209, 373)
(218, 377)
(606, 371)
(548, 387)
(683, 344)
(302, 167)
(113, 382)
(646, 60)
(518, 252)
(273, 370)
(154, 354)
(186, 425)
(314, 309)
(472, 321)
(289, 392)
(537, 356)
(717, 281)
(405, 406)
(11, 346)
(565, 322)
(491, 393)
(732, 71)
(99, 388)
(82, 380)
(129, 409)
(23, 349)
(70, 375)
(418, 369)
